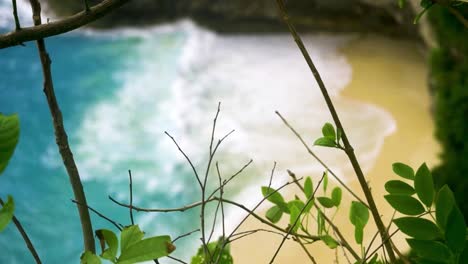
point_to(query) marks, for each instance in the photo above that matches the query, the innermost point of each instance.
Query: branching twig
(131, 196)
(59, 27)
(61, 135)
(312, 259)
(185, 235)
(348, 148)
(25, 236)
(117, 225)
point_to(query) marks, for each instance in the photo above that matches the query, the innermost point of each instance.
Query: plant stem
(61, 136)
(348, 148)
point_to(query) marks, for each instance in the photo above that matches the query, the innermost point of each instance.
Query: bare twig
(312, 259)
(176, 259)
(221, 193)
(59, 27)
(117, 225)
(15, 15)
(348, 148)
(225, 182)
(131, 196)
(185, 235)
(61, 135)
(25, 236)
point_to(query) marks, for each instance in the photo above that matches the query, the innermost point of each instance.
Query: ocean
(121, 89)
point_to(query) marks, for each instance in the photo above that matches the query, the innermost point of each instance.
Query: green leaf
(359, 234)
(9, 136)
(308, 187)
(405, 204)
(399, 187)
(432, 250)
(403, 170)
(336, 196)
(272, 195)
(401, 3)
(444, 204)
(112, 242)
(274, 214)
(320, 223)
(425, 3)
(338, 135)
(329, 241)
(325, 142)
(424, 185)
(214, 249)
(89, 258)
(325, 181)
(129, 236)
(455, 232)
(6, 213)
(147, 249)
(326, 202)
(464, 255)
(328, 131)
(358, 214)
(418, 228)
(294, 223)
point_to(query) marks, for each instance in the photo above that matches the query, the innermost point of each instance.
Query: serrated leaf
(418, 228)
(328, 131)
(432, 250)
(9, 136)
(403, 170)
(129, 236)
(358, 214)
(272, 195)
(329, 241)
(336, 196)
(325, 142)
(399, 187)
(89, 258)
(274, 214)
(455, 232)
(147, 249)
(326, 202)
(112, 242)
(405, 204)
(444, 204)
(424, 185)
(308, 187)
(6, 213)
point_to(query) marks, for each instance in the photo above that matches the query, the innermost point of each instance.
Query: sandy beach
(390, 74)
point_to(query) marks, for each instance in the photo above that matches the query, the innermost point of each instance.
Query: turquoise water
(120, 90)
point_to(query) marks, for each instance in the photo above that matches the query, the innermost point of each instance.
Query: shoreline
(390, 74)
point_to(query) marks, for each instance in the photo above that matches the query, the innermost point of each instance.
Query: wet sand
(390, 74)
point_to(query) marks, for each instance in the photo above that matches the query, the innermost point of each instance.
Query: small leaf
(320, 223)
(274, 214)
(358, 234)
(405, 204)
(147, 249)
(9, 136)
(325, 181)
(338, 135)
(336, 196)
(325, 142)
(399, 187)
(326, 202)
(424, 185)
(112, 242)
(308, 187)
(272, 195)
(328, 131)
(89, 258)
(129, 236)
(455, 233)
(444, 204)
(403, 170)
(294, 222)
(329, 241)
(418, 228)
(432, 250)
(6, 213)
(358, 214)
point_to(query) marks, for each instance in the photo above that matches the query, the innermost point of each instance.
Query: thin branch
(117, 225)
(230, 178)
(86, 4)
(309, 150)
(221, 193)
(61, 135)
(131, 196)
(25, 236)
(348, 148)
(176, 259)
(15, 15)
(312, 259)
(185, 235)
(59, 27)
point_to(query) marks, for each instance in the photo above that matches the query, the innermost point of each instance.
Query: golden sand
(390, 74)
